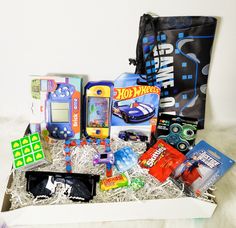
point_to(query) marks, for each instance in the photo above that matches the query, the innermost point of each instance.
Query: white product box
(178, 208)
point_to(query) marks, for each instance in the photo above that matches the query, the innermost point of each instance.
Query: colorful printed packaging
(161, 160)
(180, 132)
(114, 182)
(135, 107)
(176, 52)
(56, 106)
(203, 167)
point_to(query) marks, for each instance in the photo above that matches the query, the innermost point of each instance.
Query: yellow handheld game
(98, 97)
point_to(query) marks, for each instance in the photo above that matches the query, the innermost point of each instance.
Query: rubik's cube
(28, 152)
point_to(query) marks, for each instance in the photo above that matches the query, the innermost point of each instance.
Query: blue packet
(125, 158)
(203, 167)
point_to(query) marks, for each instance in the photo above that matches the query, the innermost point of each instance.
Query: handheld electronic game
(104, 158)
(97, 108)
(62, 111)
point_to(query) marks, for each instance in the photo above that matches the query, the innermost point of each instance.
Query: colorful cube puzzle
(28, 152)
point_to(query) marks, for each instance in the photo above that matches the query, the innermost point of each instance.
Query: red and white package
(161, 160)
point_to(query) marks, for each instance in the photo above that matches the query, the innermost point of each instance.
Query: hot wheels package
(204, 165)
(135, 107)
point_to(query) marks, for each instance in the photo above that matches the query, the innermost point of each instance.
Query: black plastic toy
(79, 187)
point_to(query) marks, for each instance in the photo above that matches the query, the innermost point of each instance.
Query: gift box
(176, 208)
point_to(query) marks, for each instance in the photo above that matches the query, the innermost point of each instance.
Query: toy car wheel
(125, 117)
(143, 138)
(126, 138)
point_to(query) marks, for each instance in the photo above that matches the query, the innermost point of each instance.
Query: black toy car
(133, 135)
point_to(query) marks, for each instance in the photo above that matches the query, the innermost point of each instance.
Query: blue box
(135, 107)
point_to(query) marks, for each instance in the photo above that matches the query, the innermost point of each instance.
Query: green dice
(27, 151)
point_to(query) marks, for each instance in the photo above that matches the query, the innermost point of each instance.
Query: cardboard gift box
(178, 208)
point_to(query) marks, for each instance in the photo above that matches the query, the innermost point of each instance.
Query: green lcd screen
(60, 112)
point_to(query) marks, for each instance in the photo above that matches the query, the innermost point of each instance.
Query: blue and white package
(203, 167)
(125, 158)
(135, 107)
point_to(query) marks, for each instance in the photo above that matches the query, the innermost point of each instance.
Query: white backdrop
(97, 38)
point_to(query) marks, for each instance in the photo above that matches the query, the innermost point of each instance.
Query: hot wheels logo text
(134, 91)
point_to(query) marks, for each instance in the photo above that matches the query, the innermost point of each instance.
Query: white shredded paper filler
(82, 162)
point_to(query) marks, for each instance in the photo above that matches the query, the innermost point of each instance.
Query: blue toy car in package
(134, 106)
(132, 135)
(135, 112)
